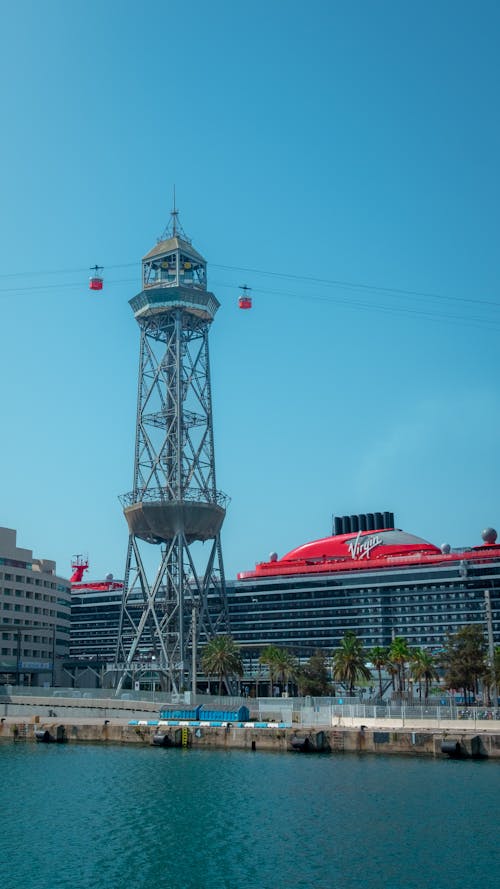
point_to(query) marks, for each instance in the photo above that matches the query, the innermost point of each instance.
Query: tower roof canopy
(171, 244)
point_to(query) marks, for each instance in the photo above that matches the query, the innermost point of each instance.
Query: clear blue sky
(349, 142)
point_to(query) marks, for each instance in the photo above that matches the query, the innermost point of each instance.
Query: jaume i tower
(174, 506)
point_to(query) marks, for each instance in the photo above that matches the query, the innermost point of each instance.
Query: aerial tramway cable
(322, 282)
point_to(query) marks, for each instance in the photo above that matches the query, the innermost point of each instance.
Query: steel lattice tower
(174, 504)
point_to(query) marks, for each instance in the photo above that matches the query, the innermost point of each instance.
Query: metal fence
(304, 711)
(343, 714)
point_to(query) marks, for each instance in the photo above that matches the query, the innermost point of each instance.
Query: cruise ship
(95, 614)
(368, 577)
(371, 578)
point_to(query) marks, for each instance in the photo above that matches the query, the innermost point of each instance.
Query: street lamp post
(491, 644)
(52, 681)
(18, 658)
(153, 678)
(193, 651)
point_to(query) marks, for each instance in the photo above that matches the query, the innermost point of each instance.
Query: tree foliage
(312, 678)
(349, 662)
(464, 659)
(379, 657)
(423, 669)
(281, 663)
(399, 655)
(268, 659)
(221, 658)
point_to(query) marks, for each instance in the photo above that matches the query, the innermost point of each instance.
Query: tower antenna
(174, 214)
(174, 228)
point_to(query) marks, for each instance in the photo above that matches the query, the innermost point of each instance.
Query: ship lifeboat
(96, 279)
(245, 300)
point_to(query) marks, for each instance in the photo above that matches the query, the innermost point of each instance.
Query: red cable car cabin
(96, 280)
(245, 300)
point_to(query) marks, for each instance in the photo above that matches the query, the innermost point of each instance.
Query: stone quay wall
(407, 741)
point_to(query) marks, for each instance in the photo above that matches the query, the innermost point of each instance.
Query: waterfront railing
(354, 713)
(292, 711)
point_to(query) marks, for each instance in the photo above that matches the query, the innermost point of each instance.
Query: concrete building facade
(35, 606)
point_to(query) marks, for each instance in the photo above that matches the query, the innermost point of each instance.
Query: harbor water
(81, 816)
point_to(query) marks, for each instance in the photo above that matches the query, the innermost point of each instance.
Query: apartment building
(35, 606)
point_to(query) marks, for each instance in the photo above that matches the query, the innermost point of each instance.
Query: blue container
(176, 713)
(242, 714)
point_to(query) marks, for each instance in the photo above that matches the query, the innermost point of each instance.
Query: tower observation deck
(174, 504)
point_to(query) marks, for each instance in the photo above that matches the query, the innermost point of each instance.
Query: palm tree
(268, 658)
(400, 654)
(379, 657)
(285, 667)
(422, 667)
(349, 662)
(221, 657)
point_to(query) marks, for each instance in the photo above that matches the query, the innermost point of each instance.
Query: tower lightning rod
(175, 213)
